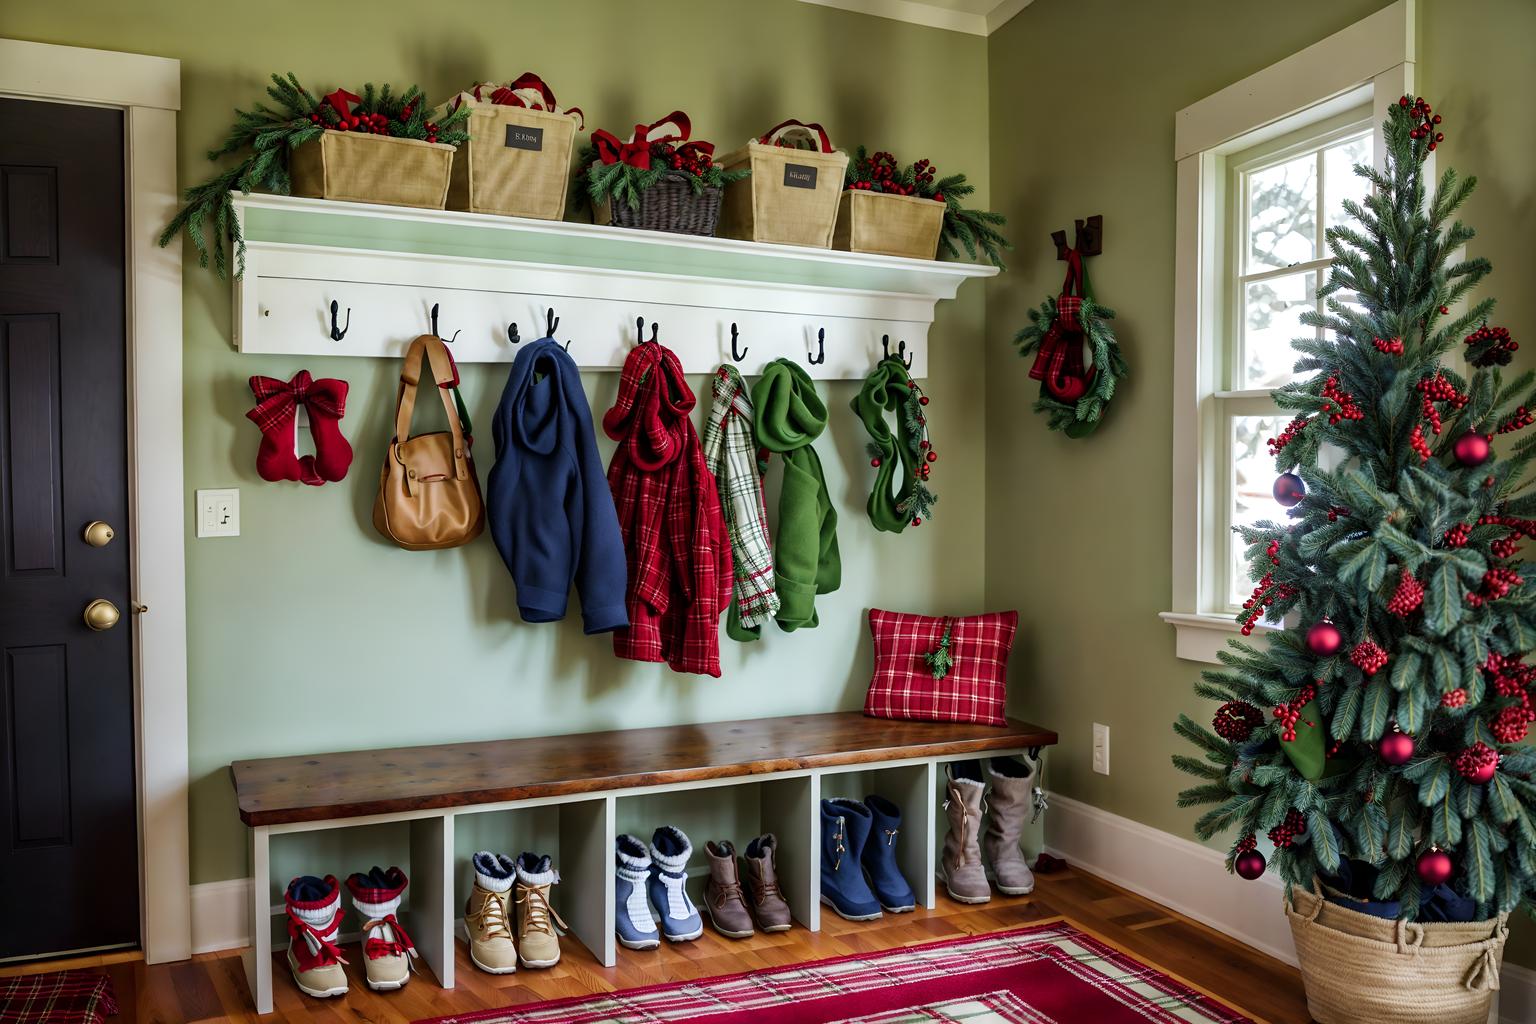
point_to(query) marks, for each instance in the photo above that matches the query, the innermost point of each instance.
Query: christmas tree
(1378, 740)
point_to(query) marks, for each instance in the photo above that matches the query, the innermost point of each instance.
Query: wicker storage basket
(517, 162)
(791, 196)
(890, 225)
(1360, 969)
(668, 205)
(372, 169)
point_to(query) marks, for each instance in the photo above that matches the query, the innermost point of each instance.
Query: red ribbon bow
(1059, 360)
(637, 151)
(341, 101)
(376, 948)
(276, 400)
(507, 96)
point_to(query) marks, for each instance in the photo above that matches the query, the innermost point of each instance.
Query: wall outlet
(218, 513)
(1101, 748)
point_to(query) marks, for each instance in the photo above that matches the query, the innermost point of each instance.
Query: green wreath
(1072, 395)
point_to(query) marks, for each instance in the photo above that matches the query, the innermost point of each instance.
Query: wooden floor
(211, 987)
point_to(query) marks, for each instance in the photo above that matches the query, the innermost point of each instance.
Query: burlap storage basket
(669, 205)
(791, 196)
(517, 162)
(372, 169)
(889, 225)
(1360, 969)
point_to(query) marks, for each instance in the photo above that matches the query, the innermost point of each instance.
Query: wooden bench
(592, 783)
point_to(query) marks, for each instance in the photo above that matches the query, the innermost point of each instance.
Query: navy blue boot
(845, 826)
(879, 857)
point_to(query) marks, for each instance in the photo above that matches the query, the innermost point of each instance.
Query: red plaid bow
(637, 151)
(276, 400)
(1059, 360)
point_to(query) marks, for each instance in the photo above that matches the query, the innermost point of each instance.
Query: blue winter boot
(879, 857)
(668, 885)
(632, 911)
(845, 826)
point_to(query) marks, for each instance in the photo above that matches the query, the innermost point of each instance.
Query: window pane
(1282, 213)
(1253, 477)
(1340, 182)
(1271, 310)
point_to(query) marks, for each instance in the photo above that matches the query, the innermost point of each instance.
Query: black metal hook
(640, 331)
(821, 348)
(901, 351)
(551, 322)
(434, 326)
(337, 333)
(737, 357)
(512, 333)
(653, 332)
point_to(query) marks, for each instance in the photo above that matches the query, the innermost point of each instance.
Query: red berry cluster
(1272, 549)
(688, 159)
(1497, 582)
(1439, 389)
(369, 124)
(1521, 418)
(1368, 657)
(1290, 713)
(1524, 527)
(1505, 547)
(1346, 407)
(881, 173)
(1475, 759)
(1235, 721)
(1284, 834)
(1488, 346)
(1513, 724)
(1335, 512)
(1246, 843)
(1389, 346)
(1292, 431)
(1408, 596)
(1264, 595)
(1416, 439)
(1456, 536)
(1453, 698)
(1427, 120)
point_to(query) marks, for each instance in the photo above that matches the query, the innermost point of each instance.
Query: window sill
(1200, 636)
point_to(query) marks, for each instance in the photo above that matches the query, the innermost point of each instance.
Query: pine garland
(619, 182)
(975, 230)
(271, 133)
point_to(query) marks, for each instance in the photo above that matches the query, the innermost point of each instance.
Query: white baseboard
(221, 915)
(1190, 878)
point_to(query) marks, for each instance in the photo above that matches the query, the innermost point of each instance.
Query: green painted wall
(1083, 94)
(309, 632)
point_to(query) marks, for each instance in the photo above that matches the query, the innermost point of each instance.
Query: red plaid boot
(387, 950)
(276, 413)
(314, 918)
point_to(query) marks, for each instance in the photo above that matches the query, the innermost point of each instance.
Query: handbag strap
(430, 347)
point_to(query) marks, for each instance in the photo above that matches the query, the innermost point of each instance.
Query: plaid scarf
(669, 513)
(731, 455)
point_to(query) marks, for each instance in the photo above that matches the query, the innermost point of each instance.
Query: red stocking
(276, 413)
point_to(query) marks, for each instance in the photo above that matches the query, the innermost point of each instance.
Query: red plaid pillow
(973, 689)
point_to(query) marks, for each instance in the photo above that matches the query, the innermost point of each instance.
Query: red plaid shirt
(675, 540)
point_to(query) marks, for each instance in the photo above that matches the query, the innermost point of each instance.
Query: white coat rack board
(386, 268)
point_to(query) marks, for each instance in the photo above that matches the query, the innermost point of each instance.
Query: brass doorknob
(101, 614)
(98, 534)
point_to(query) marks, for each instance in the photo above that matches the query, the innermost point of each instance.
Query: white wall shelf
(390, 265)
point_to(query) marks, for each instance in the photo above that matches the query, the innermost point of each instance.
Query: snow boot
(722, 893)
(387, 950)
(769, 909)
(537, 943)
(1008, 808)
(964, 878)
(879, 857)
(485, 916)
(845, 826)
(668, 885)
(314, 917)
(632, 911)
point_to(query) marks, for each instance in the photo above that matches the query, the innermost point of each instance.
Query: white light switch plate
(218, 513)
(1101, 748)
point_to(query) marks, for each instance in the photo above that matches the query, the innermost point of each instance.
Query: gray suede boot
(1008, 808)
(964, 878)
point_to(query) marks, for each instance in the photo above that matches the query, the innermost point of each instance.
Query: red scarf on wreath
(675, 541)
(1059, 360)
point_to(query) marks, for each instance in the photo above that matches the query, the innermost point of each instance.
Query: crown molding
(930, 15)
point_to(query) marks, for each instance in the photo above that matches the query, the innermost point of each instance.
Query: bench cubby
(571, 797)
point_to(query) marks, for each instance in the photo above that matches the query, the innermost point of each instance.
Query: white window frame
(1369, 63)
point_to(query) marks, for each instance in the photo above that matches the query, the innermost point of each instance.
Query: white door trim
(148, 91)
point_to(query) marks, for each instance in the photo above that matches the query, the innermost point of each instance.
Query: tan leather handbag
(429, 496)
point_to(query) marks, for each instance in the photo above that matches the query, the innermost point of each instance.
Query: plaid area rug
(73, 997)
(1045, 974)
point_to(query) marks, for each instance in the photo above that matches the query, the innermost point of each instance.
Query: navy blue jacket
(550, 510)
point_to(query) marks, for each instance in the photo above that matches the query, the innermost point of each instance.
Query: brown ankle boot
(964, 878)
(1008, 808)
(766, 902)
(722, 893)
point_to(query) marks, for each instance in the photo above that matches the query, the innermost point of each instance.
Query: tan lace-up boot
(964, 877)
(537, 943)
(485, 917)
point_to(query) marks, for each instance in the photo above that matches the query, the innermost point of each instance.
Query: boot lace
(890, 835)
(838, 839)
(325, 950)
(725, 892)
(377, 948)
(536, 910)
(764, 889)
(491, 918)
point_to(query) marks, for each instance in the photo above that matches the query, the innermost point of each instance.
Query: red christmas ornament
(1435, 866)
(923, 400)
(1250, 865)
(1477, 763)
(1396, 748)
(933, 456)
(1289, 490)
(1235, 720)
(1472, 449)
(1324, 639)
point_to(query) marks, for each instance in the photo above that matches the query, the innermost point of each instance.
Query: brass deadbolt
(98, 534)
(101, 614)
